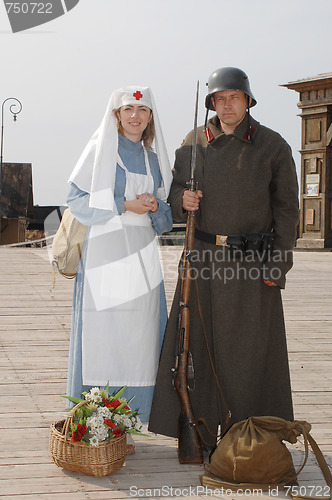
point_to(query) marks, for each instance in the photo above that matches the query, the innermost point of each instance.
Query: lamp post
(12, 107)
(15, 112)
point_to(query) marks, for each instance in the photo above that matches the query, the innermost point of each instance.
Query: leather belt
(260, 242)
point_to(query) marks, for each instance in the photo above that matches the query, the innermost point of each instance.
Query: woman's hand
(144, 203)
(190, 200)
(149, 201)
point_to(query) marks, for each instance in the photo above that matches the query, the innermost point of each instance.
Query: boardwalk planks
(34, 340)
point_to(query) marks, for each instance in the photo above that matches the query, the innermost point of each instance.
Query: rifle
(189, 446)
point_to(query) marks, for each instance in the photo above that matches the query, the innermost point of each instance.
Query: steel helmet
(228, 79)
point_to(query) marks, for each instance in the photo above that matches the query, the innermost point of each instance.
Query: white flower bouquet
(103, 417)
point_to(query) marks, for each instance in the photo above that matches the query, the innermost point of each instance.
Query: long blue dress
(132, 155)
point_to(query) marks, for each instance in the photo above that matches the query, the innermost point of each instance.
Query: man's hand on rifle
(190, 200)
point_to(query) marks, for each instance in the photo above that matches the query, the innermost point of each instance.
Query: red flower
(79, 433)
(106, 403)
(81, 429)
(109, 423)
(114, 404)
(117, 432)
(76, 437)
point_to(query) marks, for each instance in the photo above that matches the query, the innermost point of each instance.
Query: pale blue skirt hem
(143, 395)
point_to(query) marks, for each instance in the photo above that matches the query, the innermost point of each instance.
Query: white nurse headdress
(95, 170)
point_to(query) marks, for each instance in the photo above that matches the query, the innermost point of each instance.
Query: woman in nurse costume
(119, 189)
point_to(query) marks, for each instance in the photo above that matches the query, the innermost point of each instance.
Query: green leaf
(119, 408)
(119, 393)
(132, 431)
(73, 400)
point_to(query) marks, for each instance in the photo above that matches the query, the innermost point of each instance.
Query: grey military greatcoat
(247, 188)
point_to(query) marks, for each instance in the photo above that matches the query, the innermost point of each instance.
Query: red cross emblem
(137, 95)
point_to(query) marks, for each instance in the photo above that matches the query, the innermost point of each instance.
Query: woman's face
(134, 120)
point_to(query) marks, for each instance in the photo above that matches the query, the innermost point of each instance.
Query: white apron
(121, 296)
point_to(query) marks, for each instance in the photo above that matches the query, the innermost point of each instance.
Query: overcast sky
(64, 71)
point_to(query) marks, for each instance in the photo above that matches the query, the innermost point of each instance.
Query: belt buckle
(221, 240)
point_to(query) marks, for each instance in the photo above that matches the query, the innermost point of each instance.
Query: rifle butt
(189, 446)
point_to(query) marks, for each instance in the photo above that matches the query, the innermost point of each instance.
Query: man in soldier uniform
(247, 200)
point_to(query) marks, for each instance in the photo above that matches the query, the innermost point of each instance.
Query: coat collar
(213, 130)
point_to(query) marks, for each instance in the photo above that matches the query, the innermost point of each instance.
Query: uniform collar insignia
(208, 134)
(246, 135)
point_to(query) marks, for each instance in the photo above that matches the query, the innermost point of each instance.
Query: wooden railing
(174, 237)
(31, 243)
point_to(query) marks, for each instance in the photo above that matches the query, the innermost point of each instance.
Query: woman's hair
(148, 134)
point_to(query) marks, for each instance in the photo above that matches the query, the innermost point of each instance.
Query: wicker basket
(101, 460)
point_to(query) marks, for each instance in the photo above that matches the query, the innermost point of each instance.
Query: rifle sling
(202, 421)
(229, 414)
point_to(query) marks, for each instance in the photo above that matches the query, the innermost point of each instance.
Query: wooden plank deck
(34, 337)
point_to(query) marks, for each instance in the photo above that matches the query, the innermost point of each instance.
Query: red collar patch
(138, 95)
(246, 135)
(208, 134)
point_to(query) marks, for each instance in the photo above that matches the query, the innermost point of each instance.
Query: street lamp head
(15, 108)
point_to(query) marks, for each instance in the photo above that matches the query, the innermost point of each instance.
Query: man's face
(230, 106)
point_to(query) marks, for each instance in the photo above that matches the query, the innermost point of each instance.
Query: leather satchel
(67, 245)
(252, 455)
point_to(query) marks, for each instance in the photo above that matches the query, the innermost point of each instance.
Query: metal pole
(18, 104)
(15, 113)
